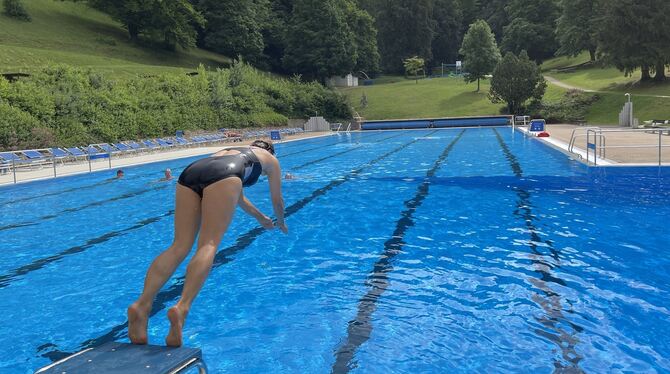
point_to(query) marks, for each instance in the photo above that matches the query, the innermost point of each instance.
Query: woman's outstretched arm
(251, 210)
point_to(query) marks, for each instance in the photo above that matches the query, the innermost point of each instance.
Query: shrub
(14, 9)
(572, 108)
(73, 106)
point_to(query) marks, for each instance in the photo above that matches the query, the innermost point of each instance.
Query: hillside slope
(73, 33)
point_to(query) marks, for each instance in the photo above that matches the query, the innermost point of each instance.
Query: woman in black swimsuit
(207, 193)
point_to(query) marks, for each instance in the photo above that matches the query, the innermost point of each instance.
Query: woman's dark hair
(267, 145)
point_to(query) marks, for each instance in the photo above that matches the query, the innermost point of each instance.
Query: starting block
(116, 358)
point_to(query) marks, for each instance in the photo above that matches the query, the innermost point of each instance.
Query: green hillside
(72, 33)
(611, 85)
(436, 97)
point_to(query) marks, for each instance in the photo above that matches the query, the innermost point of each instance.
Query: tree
(173, 21)
(319, 43)
(629, 36)
(480, 52)
(365, 38)
(274, 33)
(515, 80)
(14, 9)
(234, 27)
(495, 14)
(413, 66)
(447, 18)
(577, 27)
(533, 28)
(405, 30)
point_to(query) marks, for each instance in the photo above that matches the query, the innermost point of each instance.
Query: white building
(348, 80)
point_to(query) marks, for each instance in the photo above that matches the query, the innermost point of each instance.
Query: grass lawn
(436, 97)
(72, 33)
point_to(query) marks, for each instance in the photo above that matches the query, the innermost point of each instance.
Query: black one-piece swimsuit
(200, 174)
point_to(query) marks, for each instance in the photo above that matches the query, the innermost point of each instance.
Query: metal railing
(596, 142)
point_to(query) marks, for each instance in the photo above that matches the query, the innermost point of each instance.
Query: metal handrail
(571, 145)
(599, 133)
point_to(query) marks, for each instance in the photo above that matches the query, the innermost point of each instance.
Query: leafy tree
(274, 33)
(630, 37)
(174, 21)
(413, 66)
(14, 9)
(480, 52)
(405, 30)
(515, 81)
(447, 32)
(234, 27)
(471, 11)
(319, 43)
(533, 28)
(495, 14)
(365, 38)
(577, 27)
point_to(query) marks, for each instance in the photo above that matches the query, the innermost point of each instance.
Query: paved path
(558, 83)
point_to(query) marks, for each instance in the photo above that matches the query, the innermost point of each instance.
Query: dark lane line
(82, 207)
(55, 193)
(12, 275)
(337, 140)
(6, 279)
(222, 257)
(551, 302)
(309, 163)
(360, 328)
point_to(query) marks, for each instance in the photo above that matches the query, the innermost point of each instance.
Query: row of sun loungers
(38, 157)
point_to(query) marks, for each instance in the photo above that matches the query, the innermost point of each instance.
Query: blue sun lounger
(123, 358)
(59, 153)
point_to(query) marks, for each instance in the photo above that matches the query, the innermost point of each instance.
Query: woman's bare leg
(186, 223)
(218, 206)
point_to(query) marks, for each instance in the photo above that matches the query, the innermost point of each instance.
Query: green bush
(571, 109)
(14, 9)
(72, 106)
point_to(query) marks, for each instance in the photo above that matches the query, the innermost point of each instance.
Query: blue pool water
(455, 250)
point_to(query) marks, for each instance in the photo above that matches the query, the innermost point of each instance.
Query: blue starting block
(117, 358)
(537, 125)
(275, 135)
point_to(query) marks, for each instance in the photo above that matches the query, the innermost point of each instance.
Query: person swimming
(208, 191)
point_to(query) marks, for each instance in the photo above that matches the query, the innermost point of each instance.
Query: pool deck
(560, 138)
(47, 171)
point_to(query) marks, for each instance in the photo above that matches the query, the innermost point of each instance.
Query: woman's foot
(176, 317)
(137, 324)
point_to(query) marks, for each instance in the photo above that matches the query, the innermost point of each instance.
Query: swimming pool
(454, 250)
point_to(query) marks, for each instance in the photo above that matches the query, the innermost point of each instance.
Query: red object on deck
(543, 134)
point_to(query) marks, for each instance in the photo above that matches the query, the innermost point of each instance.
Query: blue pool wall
(398, 124)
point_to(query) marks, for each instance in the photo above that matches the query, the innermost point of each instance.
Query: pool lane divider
(360, 328)
(120, 197)
(309, 163)
(6, 279)
(222, 257)
(12, 275)
(82, 207)
(551, 304)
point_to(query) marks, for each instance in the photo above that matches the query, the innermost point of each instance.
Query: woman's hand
(282, 226)
(266, 222)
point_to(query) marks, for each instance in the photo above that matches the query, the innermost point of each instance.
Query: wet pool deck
(47, 171)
